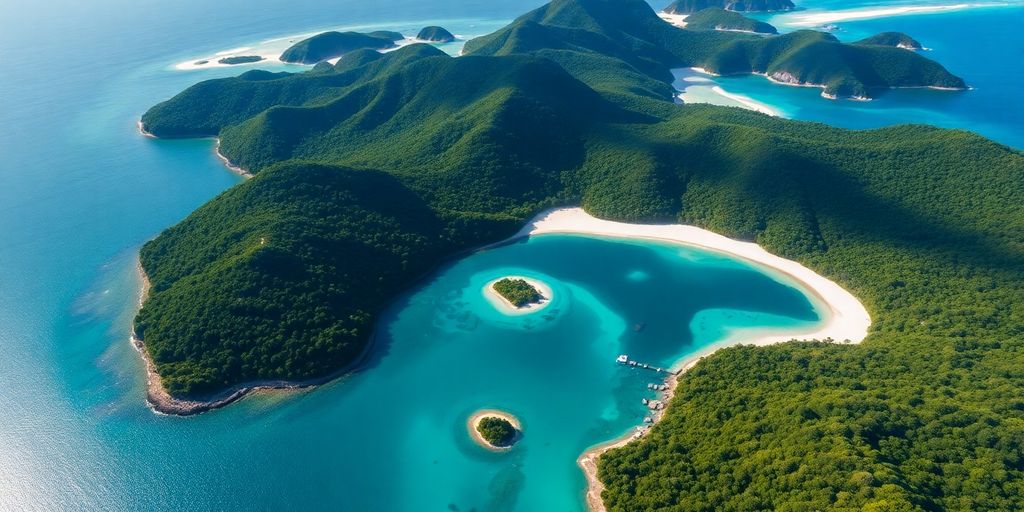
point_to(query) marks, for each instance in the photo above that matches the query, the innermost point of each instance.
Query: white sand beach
(810, 19)
(507, 307)
(678, 20)
(847, 319)
(747, 102)
(844, 318)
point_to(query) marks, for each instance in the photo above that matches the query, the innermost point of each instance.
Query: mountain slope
(630, 31)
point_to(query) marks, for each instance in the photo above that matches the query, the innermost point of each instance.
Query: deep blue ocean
(81, 190)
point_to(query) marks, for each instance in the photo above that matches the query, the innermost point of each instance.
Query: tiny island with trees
(494, 430)
(497, 431)
(518, 292)
(240, 59)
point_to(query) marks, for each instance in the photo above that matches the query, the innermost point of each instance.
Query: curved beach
(845, 318)
(475, 419)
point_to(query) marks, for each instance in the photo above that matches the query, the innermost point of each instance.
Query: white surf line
(807, 19)
(747, 102)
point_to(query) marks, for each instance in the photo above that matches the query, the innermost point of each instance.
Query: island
(714, 18)
(331, 45)
(894, 39)
(241, 59)
(362, 184)
(692, 6)
(316, 162)
(517, 291)
(494, 430)
(435, 34)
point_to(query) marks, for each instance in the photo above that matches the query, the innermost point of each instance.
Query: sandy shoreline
(507, 307)
(846, 319)
(227, 163)
(826, 17)
(477, 416)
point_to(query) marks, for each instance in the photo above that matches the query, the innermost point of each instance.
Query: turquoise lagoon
(80, 191)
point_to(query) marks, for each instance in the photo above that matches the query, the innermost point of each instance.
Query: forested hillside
(371, 171)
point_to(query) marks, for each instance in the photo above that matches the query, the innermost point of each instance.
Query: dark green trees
(496, 431)
(370, 172)
(719, 19)
(435, 34)
(517, 291)
(329, 45)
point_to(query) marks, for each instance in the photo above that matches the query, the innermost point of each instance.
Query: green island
(435, 34)
(330, 45)
(498, 432)
(714, 18)
(241, 59)
(518, 292)
(362, 184)
(692, 6)
(896, 39)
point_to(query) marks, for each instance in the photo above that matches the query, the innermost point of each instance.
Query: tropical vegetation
(435, 34)
(496, 431)
(240, 59)
(714, 18)
(517, 291)
(330, 45)
(370, 172)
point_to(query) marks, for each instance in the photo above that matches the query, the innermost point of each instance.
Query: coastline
(216, 150)
(227, 163)
(161, 402)
(845, 317)
(509, 308)
(477, 416)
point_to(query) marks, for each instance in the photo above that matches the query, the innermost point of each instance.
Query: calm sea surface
(80, 191)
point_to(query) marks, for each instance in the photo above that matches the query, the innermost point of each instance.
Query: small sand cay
(508, 307)
(477, 417)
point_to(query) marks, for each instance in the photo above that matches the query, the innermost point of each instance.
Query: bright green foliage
(328, 45)
(496, 431)
(370, 172)
(435, 34)
(898, 39)
(720, 19)
(518, 292)
(691, 6)
(240, 59)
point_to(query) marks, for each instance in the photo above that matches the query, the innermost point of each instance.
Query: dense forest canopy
(435, 34)
(330, 45)
(583, 35)
(496, 431)
(517, 291)
(371, 171)
(897, 39)
(719, 19)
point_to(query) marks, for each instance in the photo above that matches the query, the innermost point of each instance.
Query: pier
(626, 361)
